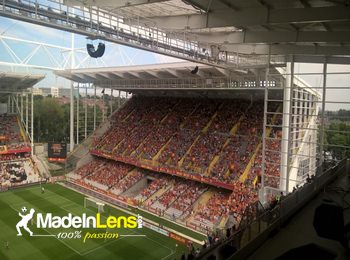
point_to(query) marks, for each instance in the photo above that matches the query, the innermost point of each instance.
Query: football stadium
(174, 129)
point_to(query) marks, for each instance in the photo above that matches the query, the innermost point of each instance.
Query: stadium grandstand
(18, 167)
(214, 151)
(211, 137)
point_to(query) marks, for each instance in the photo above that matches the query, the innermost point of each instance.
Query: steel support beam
(94, 107)
(71, 134)
(286, 49)
(32, 122)
(253, 17)
(78, 117)
(109, 3)
(323, 109)
(86, 113)
(263, 151)
(27, 108)
(287, 100)
(242, 37)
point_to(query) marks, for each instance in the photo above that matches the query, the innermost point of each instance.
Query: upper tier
(12, 137)
(209, 140)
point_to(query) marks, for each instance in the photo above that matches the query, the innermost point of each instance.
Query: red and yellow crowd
(10, 134)
(212, 138)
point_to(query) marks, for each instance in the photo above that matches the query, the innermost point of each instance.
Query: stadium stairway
(213, 162)
(223, 221)
(244, 176)
(156, 157)
(136, 188)
(236, 126)
(160, 192)
(181, 161)
(132, 154)
(216, 158)
(21, 130)
(204, 130)
(202, 200)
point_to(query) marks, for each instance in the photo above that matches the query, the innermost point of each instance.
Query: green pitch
(60, 201)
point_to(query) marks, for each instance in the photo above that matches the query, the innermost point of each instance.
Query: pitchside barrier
(125, 207)
(14, 186)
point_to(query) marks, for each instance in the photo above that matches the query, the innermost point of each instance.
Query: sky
(118, 55)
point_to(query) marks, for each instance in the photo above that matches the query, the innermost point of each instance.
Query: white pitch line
(38, 235)
(132, 235)
(171, 253)
(43, 198)
(67, 245)
(102, 245)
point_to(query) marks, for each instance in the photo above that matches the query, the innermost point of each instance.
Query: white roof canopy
(14, 82)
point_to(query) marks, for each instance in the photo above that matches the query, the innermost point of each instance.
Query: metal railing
(98, 23)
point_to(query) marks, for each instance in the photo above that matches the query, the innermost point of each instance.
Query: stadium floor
(60, 201)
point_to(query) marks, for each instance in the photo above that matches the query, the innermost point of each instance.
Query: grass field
(60, 201)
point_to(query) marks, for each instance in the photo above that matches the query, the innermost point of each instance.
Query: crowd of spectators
(185, 201)
(213, 210)
(153, 187)
(13, 172)
(129, 180)
(172, 194)
(228, 115)
(188, 133)
(110, 173)
(166, 129)
(222, 204)
(203, 113)
(252, 122)
(272, 155)
(11, 157)
(177, 147)
(90, 167)
(234, 158)
(202, 152)
(10, 134)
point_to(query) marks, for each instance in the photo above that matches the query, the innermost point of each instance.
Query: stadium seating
(185, 201)
(158, 182)
(221, 204)
(234, 158)
(184, 133)
(10, 134)
(213, 138)
(90, 168)
(128, 181)
(109, 174)
(17, 172)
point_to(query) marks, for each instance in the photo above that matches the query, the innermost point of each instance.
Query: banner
(163, 169)
(178, 238)
(156, 229)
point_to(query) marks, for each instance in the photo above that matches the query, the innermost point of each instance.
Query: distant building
(55, 92)
(37, 91)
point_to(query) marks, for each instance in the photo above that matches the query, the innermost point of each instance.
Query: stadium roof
(13, 82)
(176, 70)
(177, 79)
(300, 27)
